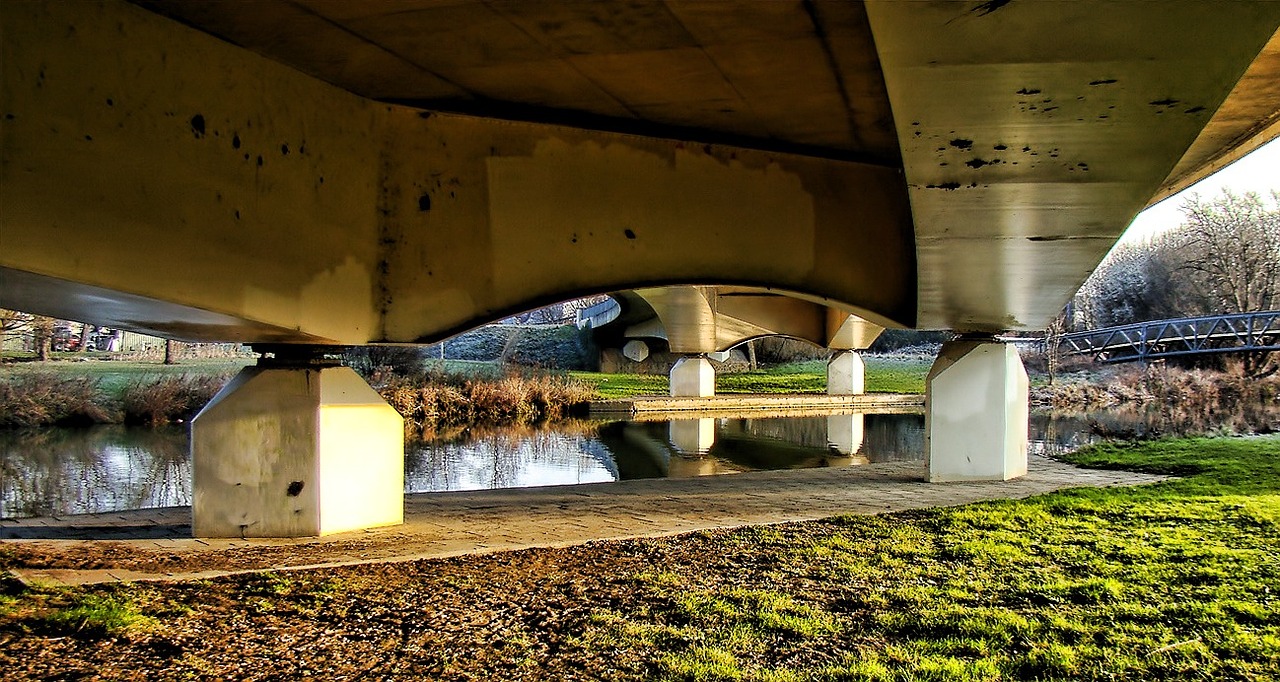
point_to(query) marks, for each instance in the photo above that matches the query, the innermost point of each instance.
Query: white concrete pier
(846, 374)
(693, 377)
(296, 452)
(976, 413)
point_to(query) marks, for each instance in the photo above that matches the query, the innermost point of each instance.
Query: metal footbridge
(1143, 341)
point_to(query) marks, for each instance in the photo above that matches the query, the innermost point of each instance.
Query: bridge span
(1143, 341)
(318, 172)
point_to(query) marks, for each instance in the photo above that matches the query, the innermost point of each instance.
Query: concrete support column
(296, 452)
(845, 373)
(693, 377)
(976, 412)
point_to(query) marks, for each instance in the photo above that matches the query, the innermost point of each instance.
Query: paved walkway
(156, 544)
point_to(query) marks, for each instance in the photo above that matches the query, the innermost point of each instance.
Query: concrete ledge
(755, 404)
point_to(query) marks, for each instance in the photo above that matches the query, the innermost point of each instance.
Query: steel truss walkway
(1235, 333)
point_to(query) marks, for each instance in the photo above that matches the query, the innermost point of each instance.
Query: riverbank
(452, 393)
(1165, 581)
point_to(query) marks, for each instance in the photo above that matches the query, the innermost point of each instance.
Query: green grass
(883, 375)
(1177, 580)
(61, 612)
(114, 375)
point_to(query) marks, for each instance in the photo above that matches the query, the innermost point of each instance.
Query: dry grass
(168, 399)
(42, 398)
(437, 400)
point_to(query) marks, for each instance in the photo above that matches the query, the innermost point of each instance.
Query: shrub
(438, 400)
(41, 398)
(168, 399)
(371, 362)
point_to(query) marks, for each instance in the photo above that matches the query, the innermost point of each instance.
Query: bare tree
(1229, 254)
(1230, 248)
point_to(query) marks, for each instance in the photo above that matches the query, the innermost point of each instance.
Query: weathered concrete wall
(146, 164)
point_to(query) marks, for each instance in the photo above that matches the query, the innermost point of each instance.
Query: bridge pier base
(845, 373)
(296, 452)
(976, 413)
(693, 377)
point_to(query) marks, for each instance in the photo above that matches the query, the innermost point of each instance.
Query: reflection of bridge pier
(845, 433)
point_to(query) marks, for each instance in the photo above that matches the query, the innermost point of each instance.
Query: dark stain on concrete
(1103, 81)
(197, 126)
(630, 234)
(961, 143)
(424, 201)
(295, 489)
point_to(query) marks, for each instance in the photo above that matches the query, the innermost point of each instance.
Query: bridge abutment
(296, 451)
(976, 412)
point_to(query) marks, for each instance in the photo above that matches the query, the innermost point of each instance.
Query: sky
(1258, 172)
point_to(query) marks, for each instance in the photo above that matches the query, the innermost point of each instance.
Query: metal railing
(1143, 341)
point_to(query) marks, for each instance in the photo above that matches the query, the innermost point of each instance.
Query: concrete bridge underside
(345, 176)
(348, 172)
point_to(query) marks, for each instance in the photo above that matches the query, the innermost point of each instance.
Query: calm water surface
(114, 468)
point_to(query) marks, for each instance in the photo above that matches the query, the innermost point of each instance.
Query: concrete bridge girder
(704, 319)
(175, 167)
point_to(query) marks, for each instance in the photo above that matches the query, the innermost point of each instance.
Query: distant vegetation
(1223, 258)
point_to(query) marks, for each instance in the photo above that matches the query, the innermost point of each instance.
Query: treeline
(1223, 258)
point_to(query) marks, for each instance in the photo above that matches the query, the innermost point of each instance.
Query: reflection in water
(100, 468)
(108, 468)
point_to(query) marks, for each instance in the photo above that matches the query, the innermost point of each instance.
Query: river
(55, 471)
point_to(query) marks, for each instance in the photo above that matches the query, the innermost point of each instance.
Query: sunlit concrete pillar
(693, 377)
(845, 373)
(296, 452)
(845, 433)
(976, 412)
(692, 436)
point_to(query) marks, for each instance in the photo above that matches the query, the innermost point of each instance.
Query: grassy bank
(884, 374)
(1169, 581)
(449, 393)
